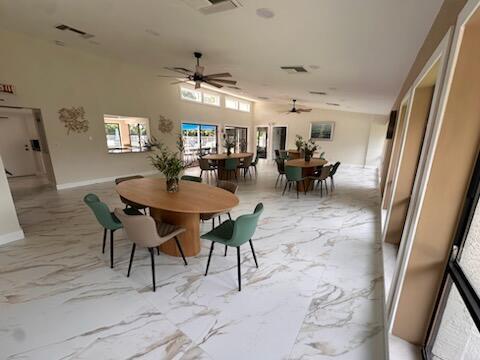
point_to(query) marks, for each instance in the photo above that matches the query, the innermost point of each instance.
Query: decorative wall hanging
(165, 125)
(322, 130)
(74, 119)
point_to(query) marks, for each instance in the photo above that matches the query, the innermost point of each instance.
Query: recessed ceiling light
(59, 43)
(152, 32)
(265, 13)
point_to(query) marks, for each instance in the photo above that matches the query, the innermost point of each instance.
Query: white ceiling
(361, 50)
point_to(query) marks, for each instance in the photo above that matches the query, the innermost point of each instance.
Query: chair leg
(297, 188)
(321, 188)
(131, 259)
(304, 187)
(209, 257)
(158, 250)
(285, 188)
(219, 220)
(152, 257)
(226, 247)
(104, 240)
(181, 250)
(276, 182)
(239, 270)
(229, 216)
(111, 249)
(326, 186)
(253, 252)
(213, 223)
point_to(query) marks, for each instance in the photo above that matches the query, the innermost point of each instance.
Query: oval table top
(306, 164)
(225, 156)
(192, 197)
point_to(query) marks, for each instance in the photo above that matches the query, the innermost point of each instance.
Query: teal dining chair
(294, 175)
(231, 166)
(235, 233)
(106, 219)
(191, 178)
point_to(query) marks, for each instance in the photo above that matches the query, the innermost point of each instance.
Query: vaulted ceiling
(357, 51)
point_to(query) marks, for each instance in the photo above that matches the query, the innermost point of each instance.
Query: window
(211, 99)
(199, 139)
(239, 136)
(231, 103)
(126, 134)
(244, 106)
(190, 95)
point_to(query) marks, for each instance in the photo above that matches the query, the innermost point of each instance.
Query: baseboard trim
(100, 180)
(13, 236)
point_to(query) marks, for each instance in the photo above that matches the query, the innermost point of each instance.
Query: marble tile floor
(318, 293)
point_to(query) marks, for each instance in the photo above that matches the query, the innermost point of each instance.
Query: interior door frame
(270, 151)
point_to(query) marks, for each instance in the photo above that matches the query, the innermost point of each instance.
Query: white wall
(9, 227)
(64, 77)
(358, 138)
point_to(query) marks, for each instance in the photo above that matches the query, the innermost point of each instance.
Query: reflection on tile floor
(318, 293)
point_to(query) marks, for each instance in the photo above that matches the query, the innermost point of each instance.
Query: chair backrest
(255, 162)
(141, 229)
(101, 212)
(325, 172)
(334, 168)
(245, 226)
(204, 164)
(280, 165)
(191, 178)
(247, 161)
(293, 173)
(227, 185)
(231, 164)
(126, 178)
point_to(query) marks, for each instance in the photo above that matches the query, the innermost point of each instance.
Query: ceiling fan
(295, 110)
(197, 76)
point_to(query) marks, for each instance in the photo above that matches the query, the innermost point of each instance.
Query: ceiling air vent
(318, 92)
(294, 69)
(83, 34)
(208, 7)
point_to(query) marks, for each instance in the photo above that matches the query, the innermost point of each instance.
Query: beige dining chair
(321, 178)
(144, 231)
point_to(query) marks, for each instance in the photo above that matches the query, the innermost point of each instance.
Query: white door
(15, 150)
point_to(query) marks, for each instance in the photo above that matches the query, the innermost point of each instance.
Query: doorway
(279, 139)
(24, 150)
(262, 141)
(239, 136)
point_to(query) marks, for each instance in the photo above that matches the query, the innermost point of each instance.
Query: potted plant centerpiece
(168, 162)
(299, 142)
(309, 148)
(229, 144)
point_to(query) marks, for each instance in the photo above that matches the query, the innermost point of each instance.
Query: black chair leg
(304, 187)
(253, 252)
(111, 249)
(201, 173)
(226, 247)
(326, 186)
(209, 257)
(104, 240)
(131, 259)
(229, 216)
(181, 250)
(297, 189)
(239, 270)
(158, 250)
(285, 188)
(276, 182)
(213, 223)
(152, 257)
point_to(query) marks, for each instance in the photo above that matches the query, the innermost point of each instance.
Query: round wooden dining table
(308, 168)
(220, 159)
(182, 208)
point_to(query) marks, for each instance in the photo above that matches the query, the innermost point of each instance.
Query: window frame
(117, 125)
(200, 101)
(219, 98)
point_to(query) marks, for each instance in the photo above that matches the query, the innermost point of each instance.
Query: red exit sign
(7, 88)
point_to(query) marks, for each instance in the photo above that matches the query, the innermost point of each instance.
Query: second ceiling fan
(197, 76)
(296, 110)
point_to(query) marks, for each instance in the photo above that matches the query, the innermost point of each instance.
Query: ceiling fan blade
(218, 75)
(199, 69)
(304, 110)
(197, 84)
(167, 76)
(178, 82)
(232, 82)
(213, 84)
(180, 70)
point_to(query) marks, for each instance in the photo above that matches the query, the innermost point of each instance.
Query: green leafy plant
(299, 142)
(228, 143)
(309, 147)
(168, 162)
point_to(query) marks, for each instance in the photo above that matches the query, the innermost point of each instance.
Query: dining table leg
(189, 240)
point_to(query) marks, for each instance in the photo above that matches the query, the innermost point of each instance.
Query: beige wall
(9, 226)
(358, 138)
(50, 77)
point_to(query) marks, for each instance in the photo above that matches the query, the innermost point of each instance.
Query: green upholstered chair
(231, 166)
(235, 233)
(255, 163)
(105, 218)
(294, 175)
(281, 169)
(191, 178)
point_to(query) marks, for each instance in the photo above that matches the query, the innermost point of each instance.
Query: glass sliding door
(454, 331)
(240, 136)
(199, 139)
(262, 141)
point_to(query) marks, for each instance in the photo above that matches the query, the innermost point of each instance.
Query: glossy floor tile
(317, 294)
